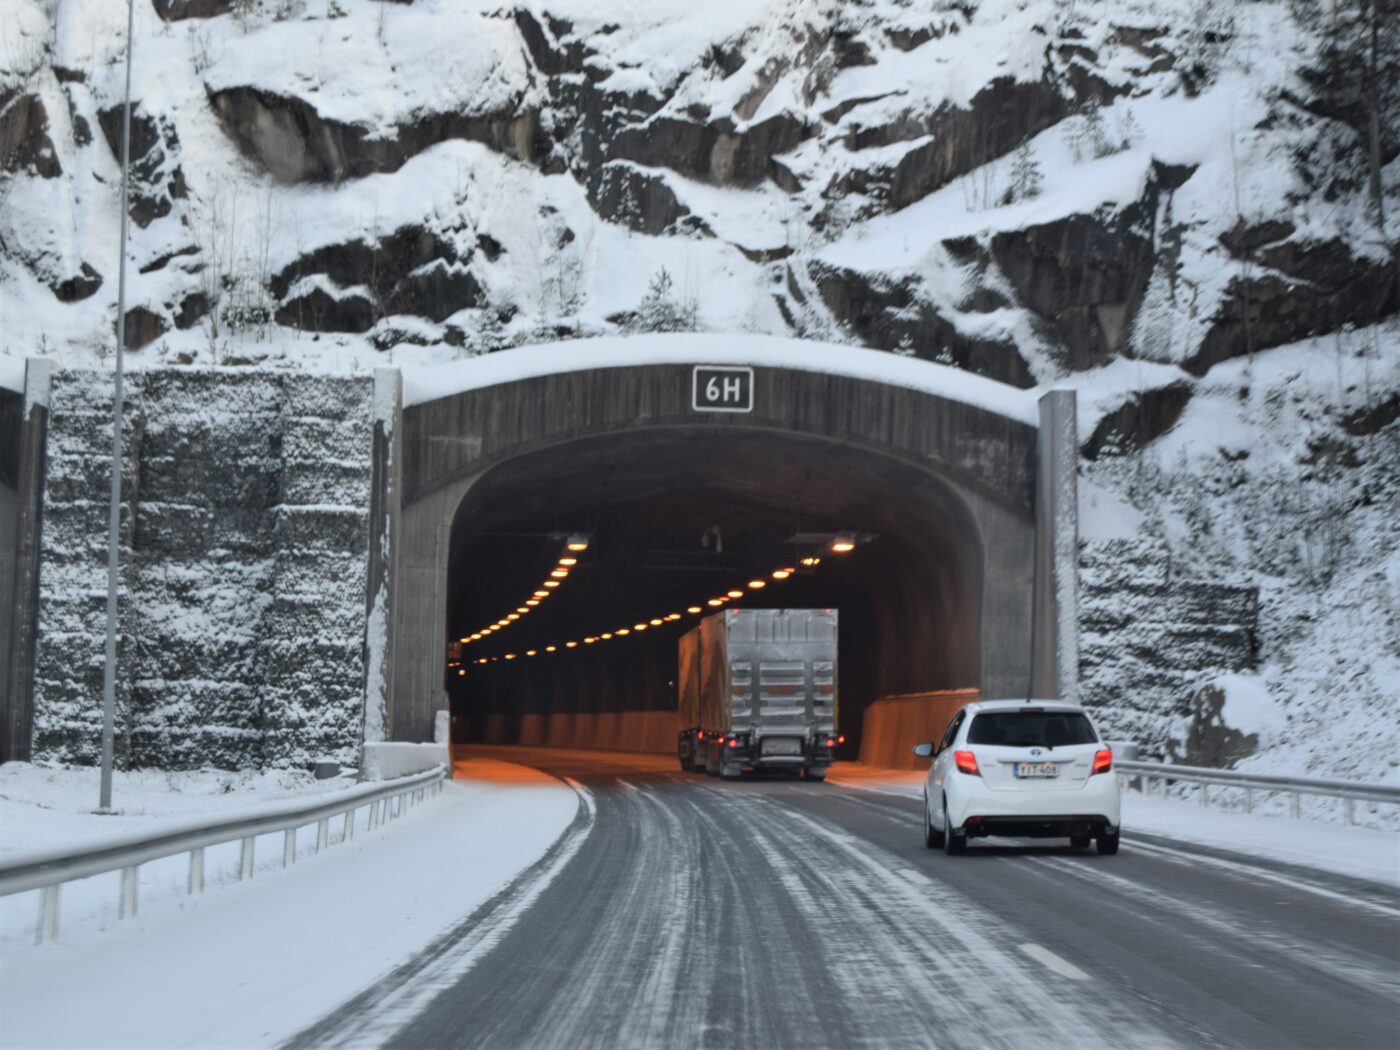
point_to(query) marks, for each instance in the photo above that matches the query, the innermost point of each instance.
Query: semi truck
(758, 691)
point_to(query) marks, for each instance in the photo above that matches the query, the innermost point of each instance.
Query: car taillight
(966, 762)
(1103, 761)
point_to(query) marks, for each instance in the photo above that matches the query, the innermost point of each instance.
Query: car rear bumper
(969, 797)
(1059, 825)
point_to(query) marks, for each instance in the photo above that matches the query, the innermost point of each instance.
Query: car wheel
(933, 838)
(1079, 841)
(1108, 842)
(954, 845)
(815, 774)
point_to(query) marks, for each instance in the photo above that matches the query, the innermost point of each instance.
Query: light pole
(114, 514)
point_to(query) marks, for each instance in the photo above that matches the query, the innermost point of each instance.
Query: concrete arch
(443, 436)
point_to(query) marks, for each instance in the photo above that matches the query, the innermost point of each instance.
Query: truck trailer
(758, 691)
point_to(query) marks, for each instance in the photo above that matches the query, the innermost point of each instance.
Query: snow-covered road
(680, 911)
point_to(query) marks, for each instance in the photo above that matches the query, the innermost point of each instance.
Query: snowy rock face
(1028, 190)
(1134, 198)
(244, 546)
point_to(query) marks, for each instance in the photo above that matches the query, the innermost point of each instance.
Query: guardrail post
(323, 834)
(126, 908)
(196, 884)
(1248, 800)
(289, 847)
(1347, 814)
(48, 915)
(245, 859)
(349, 832)
(1295, 808)
(1205, 793)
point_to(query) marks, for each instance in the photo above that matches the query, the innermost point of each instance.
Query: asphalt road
(682, 911)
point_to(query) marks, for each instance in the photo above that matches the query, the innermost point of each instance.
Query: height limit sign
(721, 388)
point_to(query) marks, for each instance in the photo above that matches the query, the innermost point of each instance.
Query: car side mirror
(924, 750)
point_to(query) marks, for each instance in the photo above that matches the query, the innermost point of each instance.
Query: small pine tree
(659, 311)
(1129, 130)
(490, 334)
(905, 346)
(1025, 174)
(1094, 131)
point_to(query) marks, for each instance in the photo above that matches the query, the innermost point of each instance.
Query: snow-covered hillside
(1168, 204)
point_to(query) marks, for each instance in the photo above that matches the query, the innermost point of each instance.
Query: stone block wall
(244, 547)
(1150, 639)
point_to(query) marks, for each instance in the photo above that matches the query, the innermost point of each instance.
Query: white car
(1026, 768)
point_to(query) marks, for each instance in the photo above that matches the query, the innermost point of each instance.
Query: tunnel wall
(894, 724)
(450, 443)
(244, 564)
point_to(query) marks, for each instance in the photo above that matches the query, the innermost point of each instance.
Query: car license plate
(782, 746)
(1036, 769)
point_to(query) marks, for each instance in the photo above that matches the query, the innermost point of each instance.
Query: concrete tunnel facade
(969, 493)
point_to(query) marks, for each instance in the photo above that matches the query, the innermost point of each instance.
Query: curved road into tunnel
(680, 911)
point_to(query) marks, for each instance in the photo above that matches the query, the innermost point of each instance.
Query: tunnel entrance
(675, 519)
(483, 470)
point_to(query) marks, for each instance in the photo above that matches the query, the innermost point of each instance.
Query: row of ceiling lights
(842, 544)
(573, 546)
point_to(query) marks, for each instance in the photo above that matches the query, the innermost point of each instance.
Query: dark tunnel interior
(676, 517)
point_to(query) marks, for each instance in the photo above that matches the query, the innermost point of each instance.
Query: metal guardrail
(49, 871)
(1348, 791)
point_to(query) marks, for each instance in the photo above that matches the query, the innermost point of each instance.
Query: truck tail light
(841, 739)
(733, 742)
(830, 741)
(966, 762)
(1103, 761)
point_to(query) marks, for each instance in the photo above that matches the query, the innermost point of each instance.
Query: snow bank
(12, 373)
(391, 759)
(508, 366)
(52, 808)
(252, 963)
(1363, 853)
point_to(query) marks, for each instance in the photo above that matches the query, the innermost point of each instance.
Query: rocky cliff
(1132, 197)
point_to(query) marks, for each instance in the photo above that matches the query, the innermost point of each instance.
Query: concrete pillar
(1056, 600)
(386, 487)
(17, 730)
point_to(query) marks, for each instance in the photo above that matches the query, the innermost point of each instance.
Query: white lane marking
(585, 796)
(1250, 871)
(626, 784)
(1051, 961)
(918, 878)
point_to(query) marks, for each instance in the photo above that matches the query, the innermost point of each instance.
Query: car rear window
(1031, 729)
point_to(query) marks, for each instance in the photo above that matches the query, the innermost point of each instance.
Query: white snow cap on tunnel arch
(697, 348)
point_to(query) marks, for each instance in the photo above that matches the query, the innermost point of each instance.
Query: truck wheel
(728, 772)
(685, 764)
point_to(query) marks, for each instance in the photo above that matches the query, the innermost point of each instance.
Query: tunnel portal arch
(450, 441)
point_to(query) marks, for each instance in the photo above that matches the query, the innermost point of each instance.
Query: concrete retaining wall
(894, 724)
(243, 558)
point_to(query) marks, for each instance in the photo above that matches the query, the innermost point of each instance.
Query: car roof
(1016, 705)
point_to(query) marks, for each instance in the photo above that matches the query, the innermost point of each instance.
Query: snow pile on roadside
(51, 807)
(1325, 844)
(250, 964)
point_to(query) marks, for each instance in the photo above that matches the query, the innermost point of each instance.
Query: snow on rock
(1166, 208)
